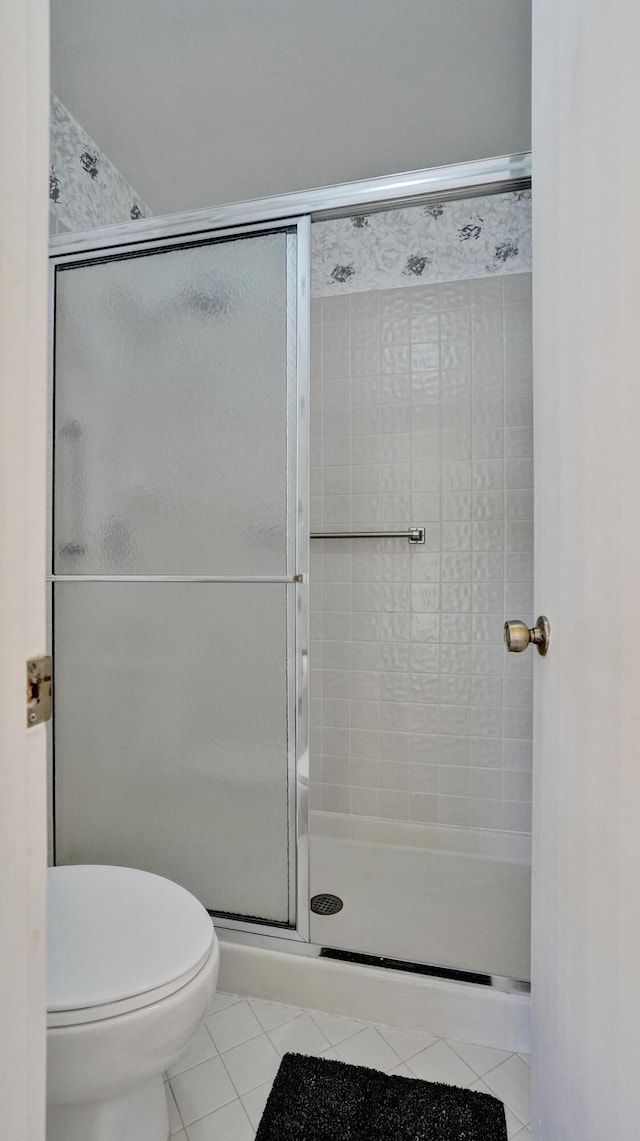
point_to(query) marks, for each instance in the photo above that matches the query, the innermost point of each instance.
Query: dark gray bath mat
(317, 1099)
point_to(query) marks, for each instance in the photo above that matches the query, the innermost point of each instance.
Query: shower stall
(291, 510)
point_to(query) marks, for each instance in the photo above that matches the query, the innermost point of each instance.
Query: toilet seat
(119, 939)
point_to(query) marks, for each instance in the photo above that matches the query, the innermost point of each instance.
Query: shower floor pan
(428, 894)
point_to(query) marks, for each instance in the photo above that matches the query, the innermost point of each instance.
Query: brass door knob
(518, 635)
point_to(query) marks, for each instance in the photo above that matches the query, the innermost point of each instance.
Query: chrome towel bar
(413, 534)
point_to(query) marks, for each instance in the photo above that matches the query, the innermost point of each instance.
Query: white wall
(243, 98)
(586, 945)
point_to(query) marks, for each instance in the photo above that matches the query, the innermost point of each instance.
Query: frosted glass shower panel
(171, 729)
(171, 410)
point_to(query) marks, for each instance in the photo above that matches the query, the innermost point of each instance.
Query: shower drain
(325, 904)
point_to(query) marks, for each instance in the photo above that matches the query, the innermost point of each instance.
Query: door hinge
(38, 690)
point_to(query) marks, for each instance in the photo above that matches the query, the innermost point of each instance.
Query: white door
(24, 123)
(586, 907)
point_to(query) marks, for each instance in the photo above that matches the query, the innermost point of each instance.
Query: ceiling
(206, 101)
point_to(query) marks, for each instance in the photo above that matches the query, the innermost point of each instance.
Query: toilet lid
(117, 933)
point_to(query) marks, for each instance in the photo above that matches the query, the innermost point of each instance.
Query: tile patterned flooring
(218, 1089)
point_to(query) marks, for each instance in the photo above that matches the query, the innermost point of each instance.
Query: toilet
(132, 968)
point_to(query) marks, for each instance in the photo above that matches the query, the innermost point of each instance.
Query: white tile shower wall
(422, 415)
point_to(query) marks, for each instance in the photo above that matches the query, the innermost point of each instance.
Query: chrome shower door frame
(127, 243)
(496, 175)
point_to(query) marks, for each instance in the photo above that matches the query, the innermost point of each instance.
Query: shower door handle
(518, 635)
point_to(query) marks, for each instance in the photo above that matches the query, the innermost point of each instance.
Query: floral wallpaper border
(85, 189)
(420, 245)
(414, 245)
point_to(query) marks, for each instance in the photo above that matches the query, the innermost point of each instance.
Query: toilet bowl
(132, 968)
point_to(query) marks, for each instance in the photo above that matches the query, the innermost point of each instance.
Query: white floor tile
(202, 1089)
(299, 1036)
(227, 1124)
(335, 1028)
(368, 1048)
(199, 1050)
(514, 1124)
(255, 1101)
(510, 1081)
(232, 1026)
(480, 1058)
(251, 1064)
(221, 1000)
(521, 1131)
(330, 1053)
(406, 1043)
(272, 1014)
(402, 1071)
(175, 1121)
(439, 1063)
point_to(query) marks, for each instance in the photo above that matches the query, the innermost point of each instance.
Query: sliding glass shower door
(178, 544)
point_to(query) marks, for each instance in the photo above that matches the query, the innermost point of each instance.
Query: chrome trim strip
(171, 578)
(291, 429)
(164, 238)
(291, 420)
(228, 927)
(493, 175)
(51, 727)
(272, 941)
(292, 672)
(302, 590)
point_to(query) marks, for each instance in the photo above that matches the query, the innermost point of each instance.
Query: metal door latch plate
(38, 690)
